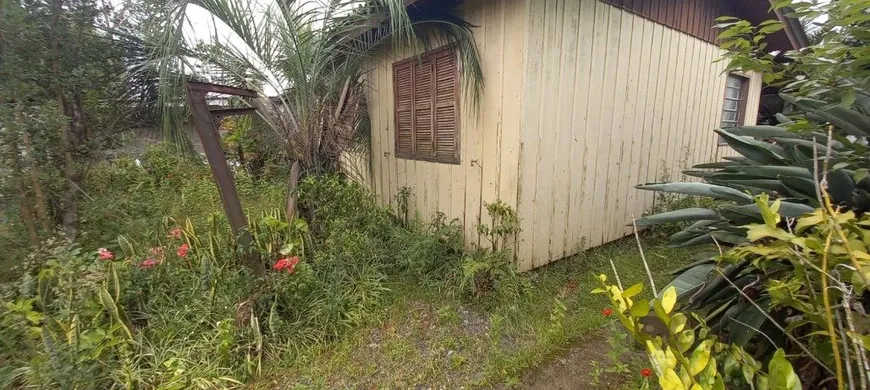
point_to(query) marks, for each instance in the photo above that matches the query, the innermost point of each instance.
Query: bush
(171, 303)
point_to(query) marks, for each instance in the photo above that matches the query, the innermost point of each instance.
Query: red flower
(105, 254)
(174, 233)
(148, 263)
(286, 264)
(607, 312)
(182, 250)
(645, 372)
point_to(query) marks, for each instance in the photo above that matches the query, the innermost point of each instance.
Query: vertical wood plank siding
(583, 100)
(641, 100)
(489, 137)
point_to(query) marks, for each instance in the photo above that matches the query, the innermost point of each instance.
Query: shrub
(491, 269)
(685, 355)
(429, 250)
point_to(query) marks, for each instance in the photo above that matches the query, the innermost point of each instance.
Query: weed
(491, 269)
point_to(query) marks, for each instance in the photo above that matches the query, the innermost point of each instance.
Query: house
(583, 100)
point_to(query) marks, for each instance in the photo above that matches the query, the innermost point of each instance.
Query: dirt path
(574, 369)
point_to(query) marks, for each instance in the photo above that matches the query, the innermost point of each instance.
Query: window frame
(414, 155)
(742, 97)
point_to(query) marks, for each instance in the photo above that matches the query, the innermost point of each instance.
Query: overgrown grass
(434, 338)
(372, 303)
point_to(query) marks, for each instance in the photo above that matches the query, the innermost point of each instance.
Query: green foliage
(430, 250)
(793, 203)
(130, 197)
(485, 270)
(782, 276)
(688, 355)
(833, 68)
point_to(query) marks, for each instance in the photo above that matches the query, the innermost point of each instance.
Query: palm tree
(312, 53)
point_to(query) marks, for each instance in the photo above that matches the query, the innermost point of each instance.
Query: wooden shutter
(404, 133)
(426, 103)
(446, 111)
(423, 101)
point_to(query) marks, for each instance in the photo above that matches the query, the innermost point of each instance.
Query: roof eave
(792, 26)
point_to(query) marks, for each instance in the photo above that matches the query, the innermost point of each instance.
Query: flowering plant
(286, 264)
(105, 254)
(147, 263)
(182, 250)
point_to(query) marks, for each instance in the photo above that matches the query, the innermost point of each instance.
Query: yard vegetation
(120, 269)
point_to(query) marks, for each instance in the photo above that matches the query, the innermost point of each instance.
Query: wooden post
(203, 121)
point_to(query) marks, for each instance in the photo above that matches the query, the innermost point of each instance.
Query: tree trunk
(27, 217)
(39, 201)
(25, 209)
(72, 134)
(291, 191)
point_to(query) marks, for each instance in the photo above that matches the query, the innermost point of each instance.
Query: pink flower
(182, 250)
(174, 233)
(286, 264)
(105, 254)
(148, 263)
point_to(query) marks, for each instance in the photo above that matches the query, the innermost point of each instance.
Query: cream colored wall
(610, 100)
(582, 102)
(489, 138)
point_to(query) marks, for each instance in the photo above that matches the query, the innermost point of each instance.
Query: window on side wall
(734, 105)
(426, 93)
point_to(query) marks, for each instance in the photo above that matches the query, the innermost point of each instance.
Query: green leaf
(669, 299)
(848, 98)
(640, 309)
(115, 312)
(688, 214)
(699, 189)
(758, 231)
(849, 121)
(678, 323)
(692, 279)
(781, 374)
(685, 339)
(761, 132)
(774, 171)
(633, 290)
(671, 381)
(758, 151)
(700, 357)
(744, 325)
(860, 174)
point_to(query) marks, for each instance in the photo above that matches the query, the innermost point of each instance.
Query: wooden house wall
(489, 136)
(583, 100)
(610, 100)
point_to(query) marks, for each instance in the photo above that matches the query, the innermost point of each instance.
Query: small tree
(52, 53)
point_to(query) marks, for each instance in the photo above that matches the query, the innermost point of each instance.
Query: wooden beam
(224, 89)
(222, 112)
(204, 122)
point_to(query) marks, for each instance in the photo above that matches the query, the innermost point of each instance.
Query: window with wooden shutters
(427, 106)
